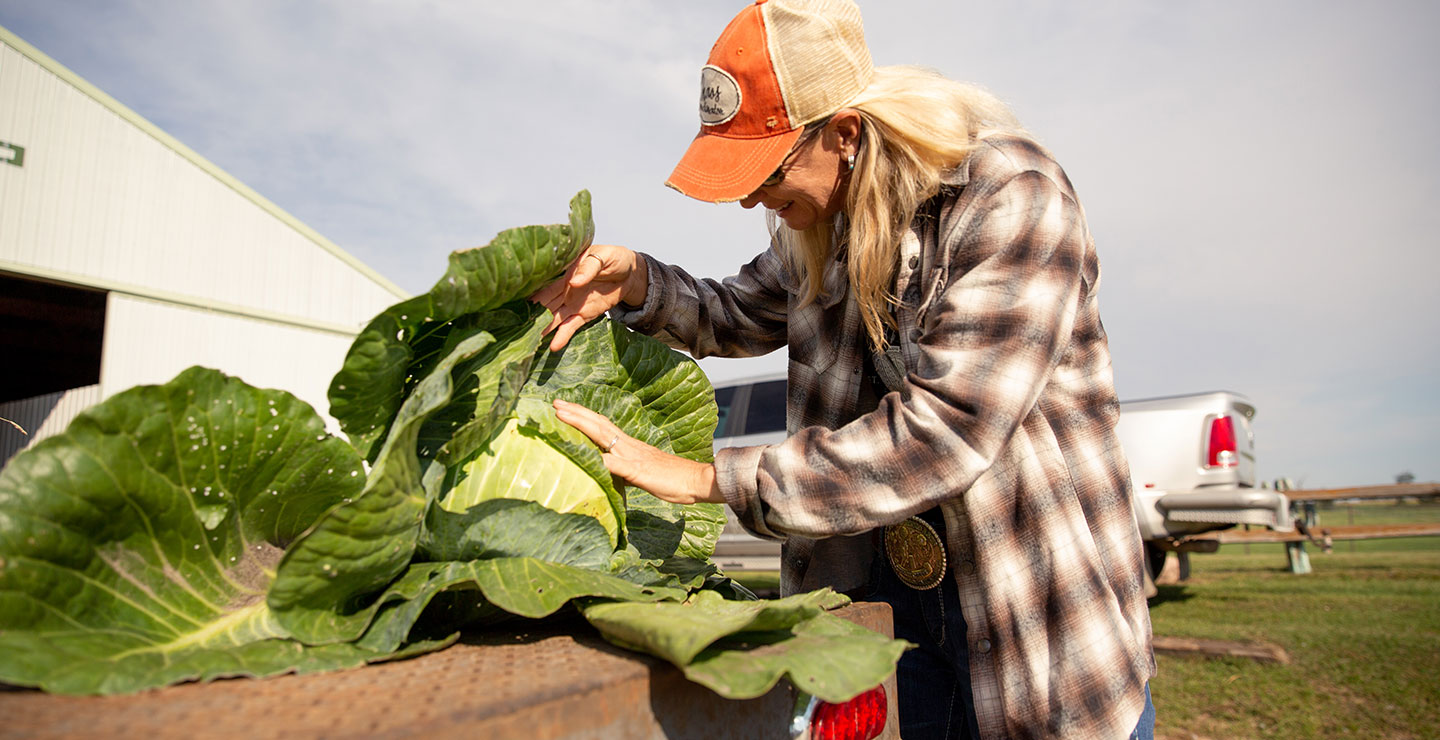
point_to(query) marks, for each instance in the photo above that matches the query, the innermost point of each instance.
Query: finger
(569, 326)
(553, 306)
(596, 426)
(564, 330)
(586, 269)
(553, 291)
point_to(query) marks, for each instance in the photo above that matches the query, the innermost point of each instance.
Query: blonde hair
(915, 126)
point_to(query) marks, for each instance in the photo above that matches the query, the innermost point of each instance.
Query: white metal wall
(150, 342)
(106, 198)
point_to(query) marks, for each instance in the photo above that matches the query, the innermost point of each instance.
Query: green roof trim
(79, 83)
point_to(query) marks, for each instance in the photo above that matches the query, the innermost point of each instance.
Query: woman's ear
(846, 125)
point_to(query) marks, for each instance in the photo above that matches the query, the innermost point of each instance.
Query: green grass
(1362, 631)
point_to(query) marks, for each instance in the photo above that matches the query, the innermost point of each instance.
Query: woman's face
(814, 183)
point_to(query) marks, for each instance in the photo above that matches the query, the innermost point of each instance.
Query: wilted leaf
(825, 656)
(678, 632)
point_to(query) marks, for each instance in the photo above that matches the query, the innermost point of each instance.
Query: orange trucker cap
(778, 66)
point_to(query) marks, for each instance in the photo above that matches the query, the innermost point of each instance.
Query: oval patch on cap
(719, 96)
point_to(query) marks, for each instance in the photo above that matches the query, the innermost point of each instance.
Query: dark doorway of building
(50, 336)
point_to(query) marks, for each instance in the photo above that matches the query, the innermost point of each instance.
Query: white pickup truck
(1192, 463)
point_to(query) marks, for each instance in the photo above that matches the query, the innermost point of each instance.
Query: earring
(851, 161)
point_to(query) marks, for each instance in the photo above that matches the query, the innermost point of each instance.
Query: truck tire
(1154, 561)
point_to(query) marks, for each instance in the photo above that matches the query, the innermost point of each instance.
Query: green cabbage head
(205, 528)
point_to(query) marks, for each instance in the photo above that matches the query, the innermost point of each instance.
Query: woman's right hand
(601, 278)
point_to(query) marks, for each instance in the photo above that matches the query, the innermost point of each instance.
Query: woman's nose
(751, 200)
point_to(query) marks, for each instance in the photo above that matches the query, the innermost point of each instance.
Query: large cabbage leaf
(362, 544)
(742, 649)
(137, 547)
(825, 656)
(400, 345)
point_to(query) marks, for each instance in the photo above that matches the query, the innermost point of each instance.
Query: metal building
(125, 258)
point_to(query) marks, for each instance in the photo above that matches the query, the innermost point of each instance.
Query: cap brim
(719, 169)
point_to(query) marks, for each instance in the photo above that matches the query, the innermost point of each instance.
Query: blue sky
(1259, 177)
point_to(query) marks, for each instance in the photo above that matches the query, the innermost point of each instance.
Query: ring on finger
(597, 258)
(613, 440)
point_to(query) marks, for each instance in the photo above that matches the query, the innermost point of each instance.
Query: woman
(951, 408)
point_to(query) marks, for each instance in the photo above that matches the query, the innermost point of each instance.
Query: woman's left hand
(668, 477)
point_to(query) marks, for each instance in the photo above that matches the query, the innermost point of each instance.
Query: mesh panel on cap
(818, 49)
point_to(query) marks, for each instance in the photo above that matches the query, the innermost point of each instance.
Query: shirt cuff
(651, 316)
(735, 475)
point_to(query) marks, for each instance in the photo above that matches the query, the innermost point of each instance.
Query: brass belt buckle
(916, 553)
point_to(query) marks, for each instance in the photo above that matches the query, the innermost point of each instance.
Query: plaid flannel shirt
(1006, 421)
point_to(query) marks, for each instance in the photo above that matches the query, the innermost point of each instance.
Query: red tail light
(1222, 452)
(861, 718)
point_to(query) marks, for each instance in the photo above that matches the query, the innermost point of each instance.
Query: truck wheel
(1154, 559)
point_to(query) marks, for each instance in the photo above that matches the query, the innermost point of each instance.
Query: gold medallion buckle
(916, 553)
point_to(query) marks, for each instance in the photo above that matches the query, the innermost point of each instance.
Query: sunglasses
(778, 176)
